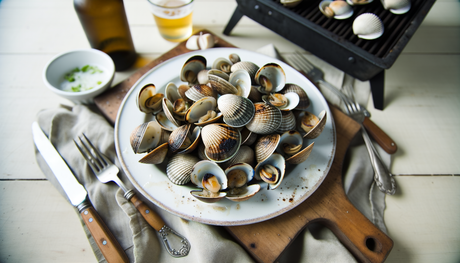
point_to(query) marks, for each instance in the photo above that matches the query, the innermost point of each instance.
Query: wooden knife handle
(380, 136)
(105, 240)
(149, 215)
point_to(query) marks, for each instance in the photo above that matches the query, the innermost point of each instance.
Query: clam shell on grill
(271, 171)
(397, 6)
(179, 168)
(237, 110)
(368, 26)
(148, 100)
(191, 68)
(359, 2)
(310, 125)
(304, 100)
(221, 141)
(267, 119)
(290, 3)
(271, 78)
(337, 9)
(147, 136)
(291, 147)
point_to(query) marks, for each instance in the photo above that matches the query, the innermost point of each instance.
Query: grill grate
(394, 25)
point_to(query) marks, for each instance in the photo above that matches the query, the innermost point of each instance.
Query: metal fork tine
(301, 65)
(87, 155)
(100, 156)
(303, 59)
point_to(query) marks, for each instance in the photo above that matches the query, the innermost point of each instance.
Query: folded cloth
(208, 243)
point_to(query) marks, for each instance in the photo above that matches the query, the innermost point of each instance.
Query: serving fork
(382, 176)
(106, 171)
(316, 75)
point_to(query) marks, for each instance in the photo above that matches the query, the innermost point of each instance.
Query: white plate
(151, 181)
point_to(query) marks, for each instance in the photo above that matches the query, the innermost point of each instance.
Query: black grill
(333, 40)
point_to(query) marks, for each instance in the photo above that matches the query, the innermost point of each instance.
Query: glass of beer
(173, 18)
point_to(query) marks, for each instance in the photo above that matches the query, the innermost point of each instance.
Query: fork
(382, 177)
(317, 75)
(106, 171)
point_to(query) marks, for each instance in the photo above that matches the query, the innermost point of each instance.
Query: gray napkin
(209, 243)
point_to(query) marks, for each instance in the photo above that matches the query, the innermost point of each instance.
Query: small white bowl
(60, 65)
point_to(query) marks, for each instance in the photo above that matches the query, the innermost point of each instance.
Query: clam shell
(148, 100)
(164, 122)
(171, 92)
(248, 66)
(266, 146)
(275, 75)
(220, 84)
(288, 122)
(247, 136)
(294, 137)
(201, 168)
(397, 6)
(191, 68)
(276, 160)
(234, 58)
(317, 129)
(147, 136)
(199, 91)
(267, 119)
(237, 110)
(337, 9)
(291, 97)
(221, 141)
(304, 100)
(248, 192)
(241, 80)
(168, 110)
(200, 195)
(359, 2)
(157, 155)
(179, 168)
(244, 155)
(245, 168)
(222, 64)
(290, 3)
(368, 26)
(178, 137)
(200, 108)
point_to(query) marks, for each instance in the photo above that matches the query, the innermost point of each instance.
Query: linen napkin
(208, 243)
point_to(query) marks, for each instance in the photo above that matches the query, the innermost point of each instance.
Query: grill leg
(377, 87)
(237, 15)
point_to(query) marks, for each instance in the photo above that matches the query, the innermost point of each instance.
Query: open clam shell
(316, 126)
(222, 64)
(179, 168)
(148, 100)
(290, 3)
(191, 68)
(147, 136)
(238, 175)
(183, 139)
(172, 92)
(277, 161)
(284, 102)
(249, 67)
(220, 83)
(267, 119)
(241, 80)
(304, 100)
(271, 78)
(337, 9)
(359, 2)
(164, 122)
(201, 172)
(237, 111)
(291, 147)
(368, 26)
(199, 109)
(221, 141)
(157, 155)
(168, 110)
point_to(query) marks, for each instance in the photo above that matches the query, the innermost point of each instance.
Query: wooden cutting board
(329, 205)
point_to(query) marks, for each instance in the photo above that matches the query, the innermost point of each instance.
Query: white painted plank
(39, 225)
(423, 219)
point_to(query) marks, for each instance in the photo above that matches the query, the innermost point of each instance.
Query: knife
(77, 195)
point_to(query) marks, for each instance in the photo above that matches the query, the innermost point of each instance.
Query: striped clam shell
(368, 26)
(237, 110)
(248, 66)
(267, 119)
(272, 74)
(304, 100)
(220, 84)
(157, 155)
(197, 92)
(221, 141)
(191, 68)
(179, 168)
(147, 136)
(288, 122)
(266, 146)
(244, 155)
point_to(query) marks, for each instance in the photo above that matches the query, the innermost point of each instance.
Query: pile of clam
(226, 129)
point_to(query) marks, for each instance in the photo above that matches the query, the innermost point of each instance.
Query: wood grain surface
(329, 205)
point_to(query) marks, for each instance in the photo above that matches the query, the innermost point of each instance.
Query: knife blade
(78, 197)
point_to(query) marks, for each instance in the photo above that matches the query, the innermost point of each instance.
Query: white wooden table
(422, 94)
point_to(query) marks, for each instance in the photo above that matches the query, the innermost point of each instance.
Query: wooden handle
(149, 215)
(380, 136)
(105, 240)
